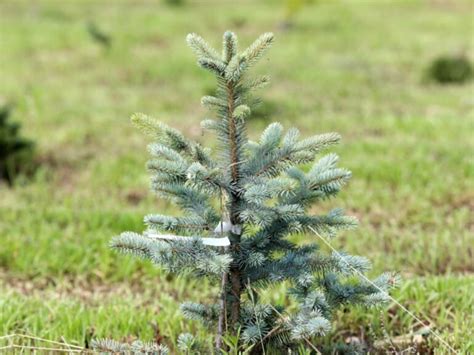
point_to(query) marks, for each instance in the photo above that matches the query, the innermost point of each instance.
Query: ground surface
(354, 67)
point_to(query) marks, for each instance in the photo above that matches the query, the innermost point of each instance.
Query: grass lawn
(355, 67)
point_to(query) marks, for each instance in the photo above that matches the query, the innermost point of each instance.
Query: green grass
(352, 67)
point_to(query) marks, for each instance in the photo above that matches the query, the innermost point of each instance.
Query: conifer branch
(201, 47)
(257, 48)
(230, 46)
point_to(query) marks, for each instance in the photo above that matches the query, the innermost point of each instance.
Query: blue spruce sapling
(240, 206)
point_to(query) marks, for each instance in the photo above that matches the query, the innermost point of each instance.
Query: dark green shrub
(450, 69)
(16, 153)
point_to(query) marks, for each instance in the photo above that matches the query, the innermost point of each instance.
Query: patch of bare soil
(65, 162)
(134, 197)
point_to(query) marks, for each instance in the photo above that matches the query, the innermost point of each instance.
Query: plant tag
(226, 227)
(214, 242)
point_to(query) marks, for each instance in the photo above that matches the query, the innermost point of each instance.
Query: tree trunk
(221, 325)
(235, 277)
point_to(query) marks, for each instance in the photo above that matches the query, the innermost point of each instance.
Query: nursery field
(354, 67)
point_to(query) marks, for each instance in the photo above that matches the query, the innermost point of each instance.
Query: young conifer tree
(16, 152)
(240, 208)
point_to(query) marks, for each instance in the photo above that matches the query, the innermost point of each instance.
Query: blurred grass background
(355, 67)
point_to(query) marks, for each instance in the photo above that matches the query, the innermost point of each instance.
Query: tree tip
(228, 34)
(190, 37)
(137, 116)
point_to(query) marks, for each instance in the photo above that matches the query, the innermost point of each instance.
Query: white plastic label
(214, 242)
(226, 227)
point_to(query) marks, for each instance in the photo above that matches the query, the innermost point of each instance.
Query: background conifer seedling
(16, 152)
(241, 206)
